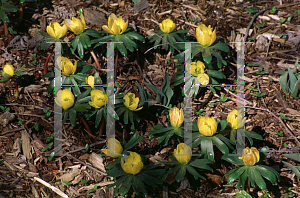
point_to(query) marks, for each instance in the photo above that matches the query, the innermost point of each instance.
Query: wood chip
(26, 146)
(97, 161)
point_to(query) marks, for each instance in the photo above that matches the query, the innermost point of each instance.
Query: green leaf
(207, 148)
(166, 89)
(171, 171)
(266, 173)
(216, 74)
(98, 117)
(131, 141)
(295, 169)
(126, 184)
(136, 36)
(85, 40)
(126, 116)
(220, 145)
(294, 156)
(254, 175)
(252, 10)
(273, 9)
(284, 117)
(93, 33)
(202, 164)
(236, 174)
(193, 172)
(138, 185)
(220, 46)
(72, 114)
(295, 89)
(128, 43)
(9, 7)
(149, 180)
(83, 95)
(121, 48)
(180, 174)
(3, 16)
(80, 49)
(234, 159)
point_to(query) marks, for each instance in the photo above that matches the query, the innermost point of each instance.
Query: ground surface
(21, 143)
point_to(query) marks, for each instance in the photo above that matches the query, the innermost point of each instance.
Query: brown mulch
(21, 142)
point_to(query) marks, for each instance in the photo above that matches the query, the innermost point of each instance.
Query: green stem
(248, 185)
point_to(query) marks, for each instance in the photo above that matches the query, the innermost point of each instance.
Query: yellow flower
(131, 102)
(116, 25)
(176, 117)
(167, 26)
(183, 153)
(67, 66)
(65, 99)
(250, 156)
(75, 25)
(113, 143)
(98, 98)
(205, 36)
(234, 120)
(90, 80)
(133, 163)
(207, 126)
(197, 68)
(9, 69)
(56, 31)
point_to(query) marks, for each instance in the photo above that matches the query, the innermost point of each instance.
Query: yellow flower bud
(167, 26)
(98, 99)
(113, 143)
(116, 25)
(207, 126)
(65, 99)
(250, 156)
(90, 81)
(176, 117)
(234, 120)
(183, 153)
(131, 102)
(56, 31)
(205, 36)
(133, 163)
(75, 25)
(67, 66)
(9, 69)
(203, 79)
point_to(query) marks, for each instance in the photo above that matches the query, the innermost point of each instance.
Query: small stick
(46, 63)
(91, 167)
(56, 190)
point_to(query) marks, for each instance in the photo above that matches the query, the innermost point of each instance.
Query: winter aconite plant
(248, 171)
(183, 161)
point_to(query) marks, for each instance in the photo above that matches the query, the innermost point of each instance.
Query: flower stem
(101, 128)
(46, 63)
(86, 126)
(5, 29)
(95, 59)
(21, 13)
(248, 185)
(16, 87)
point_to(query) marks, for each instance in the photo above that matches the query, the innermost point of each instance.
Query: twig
(291, 134)
(56, 190)
(155, 47)
(161, 106)
(237, 96)
(298, 143)
(252, 20)
(91, 167)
